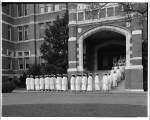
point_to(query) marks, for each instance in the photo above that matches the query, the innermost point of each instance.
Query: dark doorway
(109, 54)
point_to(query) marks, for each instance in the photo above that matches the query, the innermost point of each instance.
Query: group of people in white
(78, 83)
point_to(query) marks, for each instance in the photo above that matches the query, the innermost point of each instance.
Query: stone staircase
(120, 87)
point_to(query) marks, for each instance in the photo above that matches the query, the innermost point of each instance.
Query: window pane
(110, 12)
(20, 63)
(42, 30)
(56, 7)
(20, 36)
(26, 9)
(102, 13)
(26, 53)
(87, 15)
(26, 32)
(27, 62)
(10, 63)
(19, 53)
(48, 7)
(10, 53)
(80, 16)
(9, 32)
(19, 10)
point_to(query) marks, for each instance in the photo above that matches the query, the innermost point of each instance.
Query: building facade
(22, 34)
(93, 44)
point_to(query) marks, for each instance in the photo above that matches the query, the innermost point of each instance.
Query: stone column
(72, 50)
(134, 73)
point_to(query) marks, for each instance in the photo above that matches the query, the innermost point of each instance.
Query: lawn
(74, 110)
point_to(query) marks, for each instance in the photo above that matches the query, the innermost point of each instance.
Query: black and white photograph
(74, 59)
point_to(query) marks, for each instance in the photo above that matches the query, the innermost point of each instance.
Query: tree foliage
(55, 47)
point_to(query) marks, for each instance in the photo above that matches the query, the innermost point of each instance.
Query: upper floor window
(19, 9)
(26, 9)
(26, 34)
(20, 35)
(42, 8)
(20, 62)
(56, 7)
(26, 63)
(42, 30)
(9, 9)
(9, 32)
(48, 7)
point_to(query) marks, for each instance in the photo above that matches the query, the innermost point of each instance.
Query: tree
(55, 46)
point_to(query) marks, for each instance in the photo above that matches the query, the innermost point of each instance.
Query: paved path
(27, 97)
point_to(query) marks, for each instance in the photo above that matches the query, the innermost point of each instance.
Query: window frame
(48, 5)
(9, 32)
(10, 64)
(41, 29)
(55, 6)
(41, 6)
(26, 30)
(26, 9)
(22, 63)
(19, 32)
(18, 10)
(25, 63)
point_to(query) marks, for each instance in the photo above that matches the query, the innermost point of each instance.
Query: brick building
(99, 41)
(22, 34)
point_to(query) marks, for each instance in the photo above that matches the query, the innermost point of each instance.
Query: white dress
(89, 87)
(28, 86)
(114, 80)
(97, 83)
(37, 84)
(112, 72)
(72, 83)
(84, 83)
(42, 82)
(105, 82)
(119, 75)
(52, 83)
(109, 82)
(32, 83)
(64, 83)
(77, 83)
(59, 84)
(47, 83)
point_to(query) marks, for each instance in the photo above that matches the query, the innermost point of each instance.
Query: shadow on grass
(74, 110)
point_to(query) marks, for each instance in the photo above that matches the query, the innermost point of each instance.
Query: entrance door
(109, 54)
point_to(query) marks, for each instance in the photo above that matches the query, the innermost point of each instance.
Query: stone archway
(103, 45)
(117, 29)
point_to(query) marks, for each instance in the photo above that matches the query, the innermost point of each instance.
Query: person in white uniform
(57, 79)
(51, 83)
(46, 83)
(89, 87)
(112, 72)
(59, 84)
(28, 86)
(72, 83)
(84, 83)
(77, 82)
(119, 75)
(42, 82)
(105, 82)
(37, 83)
(114, 79)
(32, 82)
(54, 78)
(97, 82)
(64, 83)
(109, 81)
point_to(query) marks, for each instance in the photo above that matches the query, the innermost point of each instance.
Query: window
(80, 16)
(10, 63)
(26, 53)
(10, 53)
(19, 8)
(26, 35)
(48, 24)
(26, 9)
(41, 8)
(56, 7)
(42, 30)
(102, 13)
(20, 54)
(9, 32)
(42, 61)
(48, 7)
(26, 63)
(20, 33)
(9, 9)
(20, 62)
(110, 12)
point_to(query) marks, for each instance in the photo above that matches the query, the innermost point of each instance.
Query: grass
(74, 110)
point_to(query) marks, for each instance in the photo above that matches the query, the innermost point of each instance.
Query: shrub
(16, 82)
(8, 86)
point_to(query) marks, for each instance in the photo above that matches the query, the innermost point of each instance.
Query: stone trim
(134, 58)
(11, 75)
(72, 39)
(72, 69)
(134, 90)
(134, 67)
(118, 29)
(135, 32)
(72, 61)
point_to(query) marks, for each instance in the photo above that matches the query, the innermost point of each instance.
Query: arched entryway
(121, 34)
